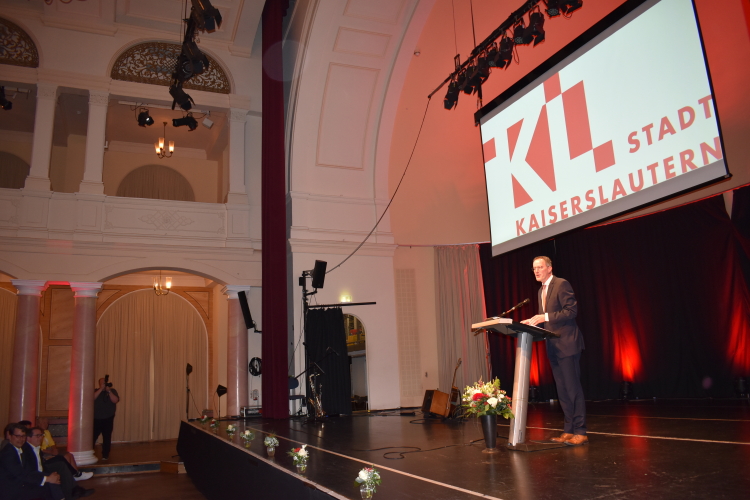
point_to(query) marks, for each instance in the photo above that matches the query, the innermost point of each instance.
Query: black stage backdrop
(326, 341)
(662, 301)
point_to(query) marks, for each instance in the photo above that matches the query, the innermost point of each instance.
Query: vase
(247, 443)
(489, 429)
(271, 451)
(367, 490)
(301, 466)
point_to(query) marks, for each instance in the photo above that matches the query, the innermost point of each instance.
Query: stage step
(121, 469)
(173, 467)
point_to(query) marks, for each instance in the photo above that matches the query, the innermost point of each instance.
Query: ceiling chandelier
(160, 151)
(160, 289)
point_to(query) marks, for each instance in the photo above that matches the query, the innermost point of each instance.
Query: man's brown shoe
(577, 440)
(563, 437)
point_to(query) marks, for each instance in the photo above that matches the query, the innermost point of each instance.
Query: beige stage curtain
(156, 182)
(460, 302)
(8, 301)
(144, 342)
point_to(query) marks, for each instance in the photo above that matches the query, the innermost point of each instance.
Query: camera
(107, 383)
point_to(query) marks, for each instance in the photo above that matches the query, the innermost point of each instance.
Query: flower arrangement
(204, 419)
(299, 455)
(270, 441)
(214, 424)
(369, 476)
(231, 429)
(247, 435)
(486, 399)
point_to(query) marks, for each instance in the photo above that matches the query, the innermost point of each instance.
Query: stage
(638, 449)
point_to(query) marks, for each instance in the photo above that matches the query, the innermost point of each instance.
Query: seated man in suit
(19, 479)
(34, 437)
(50, 453)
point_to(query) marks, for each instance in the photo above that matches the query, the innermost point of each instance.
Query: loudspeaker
(249, 323)
(319, 274)
(221, 390)
(436, 402)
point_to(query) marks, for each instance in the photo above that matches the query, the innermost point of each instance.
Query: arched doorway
(144, 342)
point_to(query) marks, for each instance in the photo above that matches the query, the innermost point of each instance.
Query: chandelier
(160, 151)
(160, 289)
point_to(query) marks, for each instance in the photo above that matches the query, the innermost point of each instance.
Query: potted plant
(486, 401)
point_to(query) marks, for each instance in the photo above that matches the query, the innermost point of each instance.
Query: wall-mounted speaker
(249, 323)
(319, 274)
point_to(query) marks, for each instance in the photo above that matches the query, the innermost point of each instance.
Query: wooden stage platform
(639, 449)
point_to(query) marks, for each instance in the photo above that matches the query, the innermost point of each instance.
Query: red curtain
(663, 302)
(275, 329)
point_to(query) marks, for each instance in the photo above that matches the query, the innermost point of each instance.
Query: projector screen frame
(539, 74)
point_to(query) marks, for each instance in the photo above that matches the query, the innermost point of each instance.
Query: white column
(82, 383)
(25, 370)
(237, 193)
(95, 133)
(237, 372)
(41, 148)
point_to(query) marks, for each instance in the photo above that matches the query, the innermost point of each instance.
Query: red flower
(296, 450)
(478, 396)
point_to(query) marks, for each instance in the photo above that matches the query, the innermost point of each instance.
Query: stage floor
(657, 449)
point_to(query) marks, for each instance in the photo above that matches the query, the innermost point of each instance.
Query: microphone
(520, 304)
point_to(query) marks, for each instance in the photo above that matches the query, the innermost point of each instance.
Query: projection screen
(622, 117)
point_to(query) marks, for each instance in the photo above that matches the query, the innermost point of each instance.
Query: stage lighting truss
(180, 97)
(144, 118)
(186, 120)
(469, 76)
(207, 17)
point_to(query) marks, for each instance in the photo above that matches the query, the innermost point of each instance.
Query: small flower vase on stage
(366, 490)
(271, 451)
(248, 442)
(489, 429)
(301, 466)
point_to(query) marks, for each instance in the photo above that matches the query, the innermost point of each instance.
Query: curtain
(13, 171)
(144, 343)
(8, 302)
(460, 302)
(156, 182)
(275, 385)
(325, 339)
(662, 301)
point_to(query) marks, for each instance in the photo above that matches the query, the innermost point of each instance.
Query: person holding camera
(105, 405)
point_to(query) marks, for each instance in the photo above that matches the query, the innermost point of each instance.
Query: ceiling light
(521, 35)
(569, 6)
(145, 119)
(188, 120)
(181, 98)
(162, 153)
(5, 103)
(553, 7)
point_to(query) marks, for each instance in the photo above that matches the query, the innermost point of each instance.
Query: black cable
(416, 141)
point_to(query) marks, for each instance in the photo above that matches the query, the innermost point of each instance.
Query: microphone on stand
(519, 305)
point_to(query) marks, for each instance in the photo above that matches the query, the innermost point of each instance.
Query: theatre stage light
(188, 120)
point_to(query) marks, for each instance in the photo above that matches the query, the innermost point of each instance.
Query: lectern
(526, 334)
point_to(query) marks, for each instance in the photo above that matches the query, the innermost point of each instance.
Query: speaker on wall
(319, 274)
(249, 323)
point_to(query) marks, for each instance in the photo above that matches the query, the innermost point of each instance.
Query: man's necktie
(544, 298)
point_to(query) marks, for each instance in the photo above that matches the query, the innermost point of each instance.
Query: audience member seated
(20, 479)
(50, 453)
(35, 435)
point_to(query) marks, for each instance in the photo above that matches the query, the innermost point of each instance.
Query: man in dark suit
(19, 479)
(70, 489)
(557, 312)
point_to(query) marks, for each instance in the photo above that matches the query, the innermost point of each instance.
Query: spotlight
(536, 27)
(570, 6)
(451, 97)
(145, 119)
(188, 120)
(553, 7)
(5, 103)
(180, 97)
(501, 55)
(521, 35)
(207, 16)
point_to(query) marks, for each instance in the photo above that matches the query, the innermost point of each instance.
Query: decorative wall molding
(365, 43)
(98, 98)
(138, 148)
(153, 63)
(18, 47)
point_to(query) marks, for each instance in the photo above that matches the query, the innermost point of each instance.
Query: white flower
(364, 475)
(500, 396)
(492, 402)
(302, 452)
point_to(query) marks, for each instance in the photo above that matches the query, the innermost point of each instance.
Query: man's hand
(53, 478)
(534, 320)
